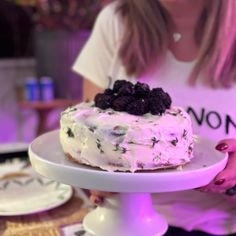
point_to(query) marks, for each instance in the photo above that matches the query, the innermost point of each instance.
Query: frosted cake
(127, 128)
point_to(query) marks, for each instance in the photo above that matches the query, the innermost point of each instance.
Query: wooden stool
(44, 108)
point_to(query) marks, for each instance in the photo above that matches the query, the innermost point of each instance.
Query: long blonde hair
(146, 32)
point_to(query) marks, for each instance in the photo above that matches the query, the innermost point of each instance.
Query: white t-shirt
(211, 112)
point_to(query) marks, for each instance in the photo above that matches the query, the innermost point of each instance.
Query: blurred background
(39, 41)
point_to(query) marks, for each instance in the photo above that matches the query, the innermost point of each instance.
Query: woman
(188, 48)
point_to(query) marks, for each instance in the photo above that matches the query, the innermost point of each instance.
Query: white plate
(52, 163)
(13, 147)
(33, 194)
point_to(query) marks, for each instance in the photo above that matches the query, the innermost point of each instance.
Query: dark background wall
(15, 31)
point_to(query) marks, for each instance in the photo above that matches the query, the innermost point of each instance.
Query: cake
(127, 128)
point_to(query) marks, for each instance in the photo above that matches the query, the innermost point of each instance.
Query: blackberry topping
(108, 91)
(159, 93)
(167, 100)
(157, 106)
(156, 92)
(126, 89)
(103, 101)
(138, 107)
(118, 84)
(120, 103)
(159, 101)
(141, 90)
(135, 99)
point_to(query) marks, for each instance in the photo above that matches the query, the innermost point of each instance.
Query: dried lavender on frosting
(128, 128)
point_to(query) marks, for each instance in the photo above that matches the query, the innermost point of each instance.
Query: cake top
(136, 99)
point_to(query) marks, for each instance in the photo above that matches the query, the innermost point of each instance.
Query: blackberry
(167, 100)
(126, 89)
(141, 90)
(103, 101)
(120, 103)
(159, 93)
(157, 106)
(135, 99)
(138, 107)
(108, 91)
(156, 92)
(118, 84)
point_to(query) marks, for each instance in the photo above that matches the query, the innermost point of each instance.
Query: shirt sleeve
(95, 59)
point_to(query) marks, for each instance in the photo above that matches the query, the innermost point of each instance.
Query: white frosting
(119, 141)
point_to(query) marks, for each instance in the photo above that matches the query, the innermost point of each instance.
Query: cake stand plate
(129, 213)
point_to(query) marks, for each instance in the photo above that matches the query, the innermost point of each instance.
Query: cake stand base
(126, 214)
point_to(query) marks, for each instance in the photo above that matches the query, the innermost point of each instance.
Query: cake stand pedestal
(131, 212)
(126, 214)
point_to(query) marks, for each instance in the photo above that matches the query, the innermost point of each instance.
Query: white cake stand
(131, 212)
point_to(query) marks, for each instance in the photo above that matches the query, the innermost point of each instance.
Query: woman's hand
(97, 197)
(225, 181)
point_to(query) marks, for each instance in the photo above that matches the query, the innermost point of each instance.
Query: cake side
(114, 140)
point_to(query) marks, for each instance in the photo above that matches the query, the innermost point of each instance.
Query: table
(43, 110)
(11, 150)
(48, 223)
